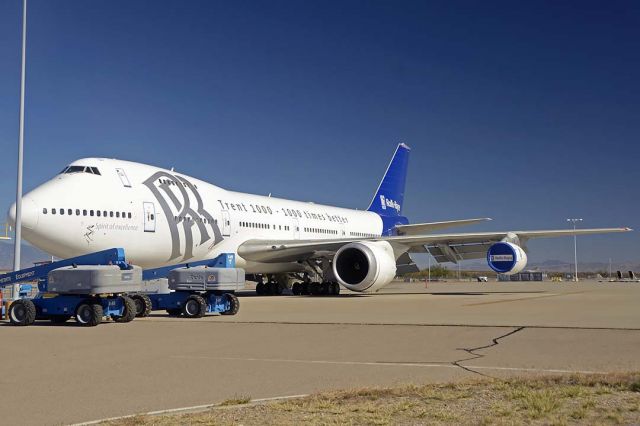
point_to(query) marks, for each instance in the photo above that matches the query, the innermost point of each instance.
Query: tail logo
(386, 202)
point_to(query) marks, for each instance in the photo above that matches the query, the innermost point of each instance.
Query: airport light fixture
(18, 225)
(575, 247)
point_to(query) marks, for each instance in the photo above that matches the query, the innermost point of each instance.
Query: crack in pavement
(472, 351)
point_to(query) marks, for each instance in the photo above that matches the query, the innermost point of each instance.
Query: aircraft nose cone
(30, 213)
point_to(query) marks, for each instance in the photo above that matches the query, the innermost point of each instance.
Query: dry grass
(558, 400)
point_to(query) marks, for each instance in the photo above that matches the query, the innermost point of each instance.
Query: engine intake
(506, 258)
(364, 266)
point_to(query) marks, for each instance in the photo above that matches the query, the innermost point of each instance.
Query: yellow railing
(5, 228)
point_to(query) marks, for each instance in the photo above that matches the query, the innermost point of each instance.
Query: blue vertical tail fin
(390, 194)
(388, 200)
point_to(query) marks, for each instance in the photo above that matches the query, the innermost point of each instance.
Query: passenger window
(90, 212)
(123, 215)
(117, 214)
(84, 212)
(61, 211)
(77, 212)
(98, 213)
(152, 216)
(129, 215)
(44, 210)
(69, 212)
(53, 211)
(104, 213)
(111, 214)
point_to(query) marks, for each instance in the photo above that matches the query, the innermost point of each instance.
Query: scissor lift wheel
(22, 312)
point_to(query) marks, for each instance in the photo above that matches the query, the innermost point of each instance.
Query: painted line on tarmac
(389, 364)
(519, 299)
(193, 409)
(215, 320)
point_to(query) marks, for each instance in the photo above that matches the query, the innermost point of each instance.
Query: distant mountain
(28, 255)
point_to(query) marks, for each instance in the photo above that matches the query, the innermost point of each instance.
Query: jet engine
(506, 258)
(364, 266)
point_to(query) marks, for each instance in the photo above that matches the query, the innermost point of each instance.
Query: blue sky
(527, 112)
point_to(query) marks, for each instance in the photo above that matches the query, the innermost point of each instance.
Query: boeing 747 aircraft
(161, 217)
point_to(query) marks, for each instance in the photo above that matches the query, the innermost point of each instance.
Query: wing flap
(423, 228)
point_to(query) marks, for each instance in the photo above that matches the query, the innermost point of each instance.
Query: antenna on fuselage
(172, 169)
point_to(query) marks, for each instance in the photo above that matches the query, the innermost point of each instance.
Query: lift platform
(192, 289)
(89, 287)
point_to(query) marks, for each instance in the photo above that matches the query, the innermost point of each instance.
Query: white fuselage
(161, 217)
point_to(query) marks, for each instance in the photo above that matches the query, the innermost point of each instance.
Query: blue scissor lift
(88, 308)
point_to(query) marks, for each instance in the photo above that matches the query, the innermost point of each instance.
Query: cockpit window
(81, 169)
(74, 169)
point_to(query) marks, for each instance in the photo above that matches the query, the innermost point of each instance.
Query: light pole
(16, 250)
(575, 246)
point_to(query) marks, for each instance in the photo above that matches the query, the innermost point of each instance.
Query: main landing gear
(270, 288)
(315, 288)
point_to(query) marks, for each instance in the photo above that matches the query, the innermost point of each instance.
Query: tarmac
(291, 345)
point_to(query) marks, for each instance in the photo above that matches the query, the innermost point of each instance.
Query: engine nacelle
(506, 258)
(365, 266)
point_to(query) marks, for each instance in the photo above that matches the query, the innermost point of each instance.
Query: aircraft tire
(325, 288)
(335, 289)
(22, 312)
(260, 289)
(89, 313)
(129, 310)
(296, 289)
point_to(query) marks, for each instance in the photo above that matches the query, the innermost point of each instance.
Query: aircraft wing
(452, 247)
(423, 228)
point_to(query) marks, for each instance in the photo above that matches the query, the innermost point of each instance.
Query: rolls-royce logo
(174, 194)
(386, 202)
(501, 258)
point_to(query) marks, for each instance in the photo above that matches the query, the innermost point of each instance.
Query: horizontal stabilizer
(423, 228)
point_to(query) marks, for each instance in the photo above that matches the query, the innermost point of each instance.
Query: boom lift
(192, 289)
(88, 287)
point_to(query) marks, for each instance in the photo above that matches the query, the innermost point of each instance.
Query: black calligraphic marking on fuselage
(217, 235)
(184, 212)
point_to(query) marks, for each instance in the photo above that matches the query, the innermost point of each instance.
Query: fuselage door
(149, 217)
(226, 223)
(123, 178)
(296, 229)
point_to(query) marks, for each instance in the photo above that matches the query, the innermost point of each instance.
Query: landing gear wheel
(60, 319)
(22, 312)
(314, 288)
(335, 289)
(89, 314)
(194, 307)
(174, 312)
(296, 289)
(234, 305)
(324, 288)
(143, 305)
(305, 288)
(260, 289)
